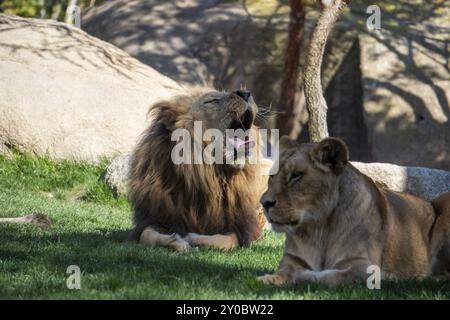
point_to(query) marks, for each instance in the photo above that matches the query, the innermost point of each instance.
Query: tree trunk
(69, 11)
(315, 101)
(287, 122)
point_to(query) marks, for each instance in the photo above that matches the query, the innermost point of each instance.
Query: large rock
(422, 182)
(388, 92)
(406, 84)
(217, 42)
(68, 95)
(116, 174)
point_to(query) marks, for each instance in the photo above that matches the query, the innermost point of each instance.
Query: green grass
(90, 230)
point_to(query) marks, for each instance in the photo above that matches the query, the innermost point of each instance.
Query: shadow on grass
(112, 263)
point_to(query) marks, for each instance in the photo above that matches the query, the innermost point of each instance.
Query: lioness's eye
(296, 176)
(212, 101)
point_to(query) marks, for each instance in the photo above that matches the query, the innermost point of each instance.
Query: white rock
(69, 95)
(422, 182)
(116, 174)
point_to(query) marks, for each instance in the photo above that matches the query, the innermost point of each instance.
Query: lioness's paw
(272, 279)
(178, 243)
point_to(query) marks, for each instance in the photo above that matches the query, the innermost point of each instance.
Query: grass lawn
(90, 228)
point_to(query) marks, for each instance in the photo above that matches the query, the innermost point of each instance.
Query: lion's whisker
(271, 112)
(261, 117)
(243, 127)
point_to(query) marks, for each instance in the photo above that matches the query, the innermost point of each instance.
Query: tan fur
(338, 221)
(218, 241)
(38, 219)
(440, 237)
(153, 238)
(205, 199)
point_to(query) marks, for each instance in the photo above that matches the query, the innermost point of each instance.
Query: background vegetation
(54, 9)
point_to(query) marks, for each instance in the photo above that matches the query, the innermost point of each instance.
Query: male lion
(183, 205)
(338, 221)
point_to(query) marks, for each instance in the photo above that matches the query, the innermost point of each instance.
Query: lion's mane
(201, 198)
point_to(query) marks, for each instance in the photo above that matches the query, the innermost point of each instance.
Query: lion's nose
(268, 204)
(243, 94)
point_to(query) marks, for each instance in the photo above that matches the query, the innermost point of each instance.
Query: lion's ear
(160, 113)
(168, 113)
(286, 143)
(331, 154)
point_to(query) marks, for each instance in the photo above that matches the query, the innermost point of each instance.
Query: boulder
(222, 43)
(116, 174)
(388, 91)
(398, 78)
(68, 95)
(406, 86)
(422, 182)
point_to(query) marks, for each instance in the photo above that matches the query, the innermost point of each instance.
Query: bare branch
(315, 101)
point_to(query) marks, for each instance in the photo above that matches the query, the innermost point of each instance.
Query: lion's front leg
(153, 238)
(286, 269)
(218, 241)
(329, 277)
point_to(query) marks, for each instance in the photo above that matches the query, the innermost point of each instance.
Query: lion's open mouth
(241, 145)
(287, 223)
(244, 122)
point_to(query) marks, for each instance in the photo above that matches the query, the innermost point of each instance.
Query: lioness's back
(410, 209)
(440, 240)
(408, 225)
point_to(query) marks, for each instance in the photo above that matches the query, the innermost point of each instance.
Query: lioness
(338, 221)
(197, 204)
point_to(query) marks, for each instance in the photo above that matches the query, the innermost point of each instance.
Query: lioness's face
(305, 187)
(225, 110)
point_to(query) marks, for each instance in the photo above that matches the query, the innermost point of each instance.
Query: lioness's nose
(243, 94)
(268, 204)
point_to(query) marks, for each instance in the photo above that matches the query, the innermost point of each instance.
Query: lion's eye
(215, 101)
(296, 176)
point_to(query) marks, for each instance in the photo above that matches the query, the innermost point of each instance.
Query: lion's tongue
(238, 143)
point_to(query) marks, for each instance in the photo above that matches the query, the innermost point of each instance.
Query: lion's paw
(178, 243)
(272, 279)
(191, 238)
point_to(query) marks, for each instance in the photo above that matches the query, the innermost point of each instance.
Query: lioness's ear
(331, 154)
(286, 142)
